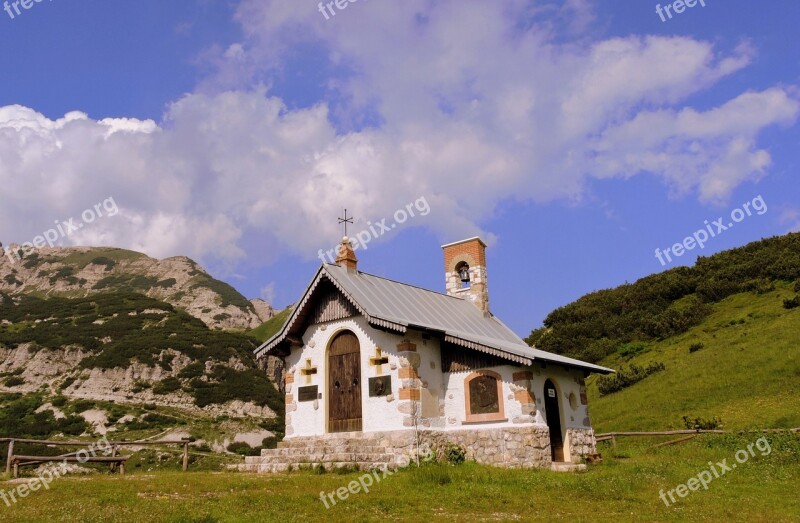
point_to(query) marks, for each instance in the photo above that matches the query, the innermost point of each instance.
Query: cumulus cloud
(465, 102)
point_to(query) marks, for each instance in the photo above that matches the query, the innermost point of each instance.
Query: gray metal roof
(398, 306)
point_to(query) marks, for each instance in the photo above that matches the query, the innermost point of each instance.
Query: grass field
(747, 372)
(624, 488)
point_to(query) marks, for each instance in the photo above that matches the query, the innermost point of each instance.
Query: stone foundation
(508, 447)
(581, 444)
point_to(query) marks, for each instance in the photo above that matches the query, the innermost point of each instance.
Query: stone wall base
(508, 447)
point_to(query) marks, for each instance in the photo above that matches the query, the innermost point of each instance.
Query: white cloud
(472, 110)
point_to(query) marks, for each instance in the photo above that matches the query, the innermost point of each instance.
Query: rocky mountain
(127, 348)
(84, 271)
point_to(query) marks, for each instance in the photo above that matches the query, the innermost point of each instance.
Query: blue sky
(575, 136)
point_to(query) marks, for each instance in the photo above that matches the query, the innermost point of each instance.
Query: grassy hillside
(669, 303)
(271, 327)
(744, 370)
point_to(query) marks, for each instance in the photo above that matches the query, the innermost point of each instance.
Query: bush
(14, 381)
(455, 454)
(193, 370)
(797, 286)
(82, 406)
(243, 449)
(629, 350)
(139, 386)
(694, 347)
(58, 401)
(166, 284)
(102, 260)
(167, 385)
(626, 377)
(702, 424)
(792, 303)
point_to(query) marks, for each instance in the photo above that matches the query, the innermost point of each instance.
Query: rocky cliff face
(82, 271)
(59, 372)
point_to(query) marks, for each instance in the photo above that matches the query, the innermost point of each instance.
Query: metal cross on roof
(345, 221)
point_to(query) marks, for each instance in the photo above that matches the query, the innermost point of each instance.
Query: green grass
(271, 327)
(624, 488)
(747, 372)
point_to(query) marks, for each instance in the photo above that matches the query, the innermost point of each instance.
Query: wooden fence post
(113, 466)
(10, 456)
(186, 456)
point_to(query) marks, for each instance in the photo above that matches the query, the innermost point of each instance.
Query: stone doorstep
(567, 467)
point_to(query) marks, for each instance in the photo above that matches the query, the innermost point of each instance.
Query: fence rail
(612, 436)
(113, 444)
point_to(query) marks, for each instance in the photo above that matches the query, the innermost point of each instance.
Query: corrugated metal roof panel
(409, 306)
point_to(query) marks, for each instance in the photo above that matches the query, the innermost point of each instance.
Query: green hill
(666, 304)
(721, 339)
(271, 327)
(745, 371)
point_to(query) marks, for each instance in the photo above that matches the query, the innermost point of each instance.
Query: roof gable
(396, 306)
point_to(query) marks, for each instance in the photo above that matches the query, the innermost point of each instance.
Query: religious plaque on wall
(307, 393)
(483, 398)
(380, 386)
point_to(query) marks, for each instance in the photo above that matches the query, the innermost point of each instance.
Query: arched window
(483, 393)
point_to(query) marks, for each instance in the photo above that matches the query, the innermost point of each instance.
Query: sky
(576, 137)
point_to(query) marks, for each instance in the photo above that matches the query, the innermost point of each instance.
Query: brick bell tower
(465, 271)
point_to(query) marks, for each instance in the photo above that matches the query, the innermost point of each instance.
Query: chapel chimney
(346, 256)
(465, 271)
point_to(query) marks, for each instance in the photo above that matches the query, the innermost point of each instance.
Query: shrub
(270, 442)
(139, 386)
(59, 401)
(792, 303)
(167, 385)
(166, 284)
(67, 382)
(694, 347)
(193, 370)
(797, 286)
(83, 405)
(629, 350)
(14, 381)
(626, 377)
(455, 454)
(242, 448)
(102, 260)
(702, 424)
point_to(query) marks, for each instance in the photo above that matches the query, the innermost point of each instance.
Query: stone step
(357, 438)
(326, 458)
(567, 467)
(324, 449)
(284, 467)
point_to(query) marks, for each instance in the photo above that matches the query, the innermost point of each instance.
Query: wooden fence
(612, 436)
(115, 445)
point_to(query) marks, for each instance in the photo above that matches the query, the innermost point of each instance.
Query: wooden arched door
(553, 413)
(344, 384)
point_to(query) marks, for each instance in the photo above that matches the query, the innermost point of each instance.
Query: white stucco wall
(447, 389)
